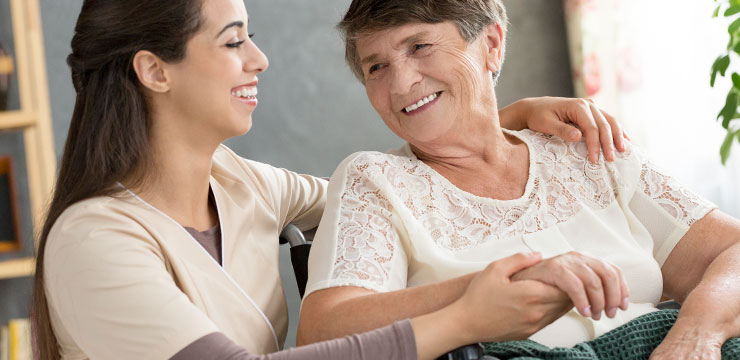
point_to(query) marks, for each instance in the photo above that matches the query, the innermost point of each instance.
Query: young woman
(162, 243)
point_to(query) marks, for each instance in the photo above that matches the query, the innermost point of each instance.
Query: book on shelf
(15, 340)
(4, 343)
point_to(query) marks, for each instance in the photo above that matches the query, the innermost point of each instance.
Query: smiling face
(427, 83)
(214, 87)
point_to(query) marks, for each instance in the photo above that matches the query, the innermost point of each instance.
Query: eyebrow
(231, 24)
(406, 41)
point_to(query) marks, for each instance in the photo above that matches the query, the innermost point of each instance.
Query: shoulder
(103, 212)
(548, 148)
(99, 228)
(238, 173)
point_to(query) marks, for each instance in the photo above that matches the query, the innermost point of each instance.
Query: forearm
(324, 315)
(391, 342)
(712, 304)
(433, 340)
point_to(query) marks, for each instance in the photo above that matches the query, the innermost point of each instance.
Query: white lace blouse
(393, 222)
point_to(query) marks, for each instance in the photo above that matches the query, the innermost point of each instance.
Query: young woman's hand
(499, 309)
(593, 285)
(569, 119)
(493, 308)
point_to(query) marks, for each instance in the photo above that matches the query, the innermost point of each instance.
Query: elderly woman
(403, 231)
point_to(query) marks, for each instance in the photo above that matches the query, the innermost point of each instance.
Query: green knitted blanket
(635, 340)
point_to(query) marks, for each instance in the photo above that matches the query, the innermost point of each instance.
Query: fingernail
(597, 316)
(575, 134)
(611, 312)
(586, 311)
(625, 302)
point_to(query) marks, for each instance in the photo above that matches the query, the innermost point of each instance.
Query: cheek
(467, 70)
(377, 98)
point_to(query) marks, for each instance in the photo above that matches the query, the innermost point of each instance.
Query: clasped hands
(523, 293)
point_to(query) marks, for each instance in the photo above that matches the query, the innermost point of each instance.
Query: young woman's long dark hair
(108, 137)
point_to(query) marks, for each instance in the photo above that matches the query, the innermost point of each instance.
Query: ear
(494, 40)
(151, 71)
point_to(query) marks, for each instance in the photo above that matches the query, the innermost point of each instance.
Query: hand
(688, 343)
(569, 119)
(494, 308)
(592, 284)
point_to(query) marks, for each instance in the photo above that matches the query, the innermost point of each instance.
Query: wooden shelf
(16, 268)
(12, 120)
(8, 246)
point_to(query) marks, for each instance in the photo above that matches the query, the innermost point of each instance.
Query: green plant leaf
(720, 65)
(736, 80)
(716, 11)
(734, 9)
(730, 109)
(734, 26)
(724, 150)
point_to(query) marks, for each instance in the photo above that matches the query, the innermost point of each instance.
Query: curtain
(648, 63)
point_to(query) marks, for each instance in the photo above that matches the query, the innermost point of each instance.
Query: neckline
(528, 189)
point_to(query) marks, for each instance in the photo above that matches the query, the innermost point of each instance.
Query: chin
(243, 126)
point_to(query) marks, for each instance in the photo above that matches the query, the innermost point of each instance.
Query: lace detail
(679, 202)
(366, 240)
(562, 182)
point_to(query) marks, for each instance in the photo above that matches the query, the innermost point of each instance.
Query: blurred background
(645, 62)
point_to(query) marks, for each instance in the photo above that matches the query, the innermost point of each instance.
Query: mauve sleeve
(394, 342)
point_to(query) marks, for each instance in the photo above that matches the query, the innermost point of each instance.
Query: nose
(404, 76)
(254, 59)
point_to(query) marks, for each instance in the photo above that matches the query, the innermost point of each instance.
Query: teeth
(246, 93)
(421, 103)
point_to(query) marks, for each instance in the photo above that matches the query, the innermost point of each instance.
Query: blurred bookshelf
(25, 61)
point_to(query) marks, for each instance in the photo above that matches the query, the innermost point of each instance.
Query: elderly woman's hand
(569, 119)
(689, 344)
(592, 284)
(494, 308)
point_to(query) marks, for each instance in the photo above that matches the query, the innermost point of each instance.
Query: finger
(573, 286)
(605, 132)
(611, 282)
(625, 290)
(594, 289)
(584, 118)
(617, 130)
(566, 131)
(515, 263)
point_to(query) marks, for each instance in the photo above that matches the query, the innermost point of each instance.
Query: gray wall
(312, 111)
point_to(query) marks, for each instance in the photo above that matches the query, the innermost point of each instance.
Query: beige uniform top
(125, 281)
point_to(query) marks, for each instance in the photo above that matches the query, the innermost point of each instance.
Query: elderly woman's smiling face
(427, 82)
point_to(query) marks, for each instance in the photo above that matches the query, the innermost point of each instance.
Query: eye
(251, 35)
(418, 47)
(374, 68)
(235, 44)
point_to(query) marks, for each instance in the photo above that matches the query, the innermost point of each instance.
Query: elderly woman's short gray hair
(367, 16)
